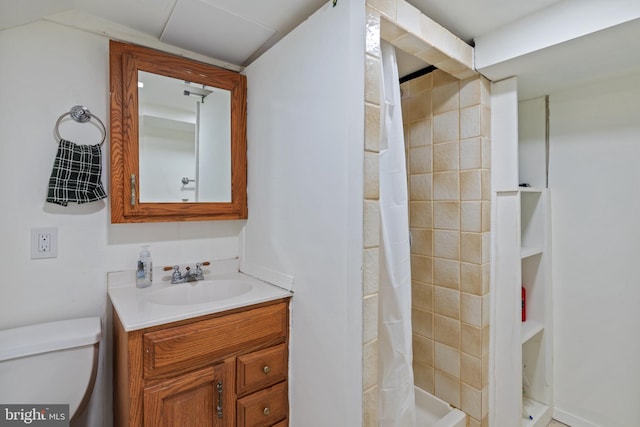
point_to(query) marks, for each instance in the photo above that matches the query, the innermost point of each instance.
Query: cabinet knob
(266, 411)
(266, 369)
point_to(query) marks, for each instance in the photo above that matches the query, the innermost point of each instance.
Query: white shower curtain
(396, 394)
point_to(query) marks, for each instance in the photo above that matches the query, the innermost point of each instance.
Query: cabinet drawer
(263, 408)
(197, 344)
(261, 369)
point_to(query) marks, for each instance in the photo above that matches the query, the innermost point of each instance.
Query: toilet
(50, 363)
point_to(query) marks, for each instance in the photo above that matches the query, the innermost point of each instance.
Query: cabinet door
(195, 399)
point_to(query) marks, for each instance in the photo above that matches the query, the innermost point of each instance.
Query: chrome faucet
(189, 275)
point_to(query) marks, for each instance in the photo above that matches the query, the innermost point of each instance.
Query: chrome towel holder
(81, 114)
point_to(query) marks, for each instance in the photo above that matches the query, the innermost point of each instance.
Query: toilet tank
(50, 363)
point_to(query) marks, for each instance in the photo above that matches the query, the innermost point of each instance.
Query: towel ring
(81, 115)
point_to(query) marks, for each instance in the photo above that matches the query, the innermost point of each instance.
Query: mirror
(178, 138)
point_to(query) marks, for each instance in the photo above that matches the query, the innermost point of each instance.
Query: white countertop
(136, 311)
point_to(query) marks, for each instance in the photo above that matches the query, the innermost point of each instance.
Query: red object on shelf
(524, 304)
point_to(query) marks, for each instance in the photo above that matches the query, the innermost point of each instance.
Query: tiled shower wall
(448, 157)
(446, 124)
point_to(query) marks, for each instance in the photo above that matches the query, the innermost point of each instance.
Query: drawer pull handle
(266, 369)
(219, 406)
(266, 411)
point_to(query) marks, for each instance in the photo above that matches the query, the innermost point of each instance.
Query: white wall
(305, 145)
(594, 181)
(45, 69)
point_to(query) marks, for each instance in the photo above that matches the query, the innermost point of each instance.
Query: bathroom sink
(199, 292)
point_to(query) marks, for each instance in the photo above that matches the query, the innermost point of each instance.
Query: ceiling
(247, 28)
(238, 31)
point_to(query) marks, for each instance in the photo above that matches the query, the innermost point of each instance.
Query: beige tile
(486, 153)
(372, 38)
(471, 309)
(486, 240)
(370, 407)
(445, 98)
(372, 80)
(370, 318)
(485, 371)
(486, 216)
(420, 187)
(473, 422)
(471, 248)
(470, 92)
(471, 216)
(421, 214)
(371, 175)
(486, 268)
(420, 160)
(485, 121)
(471, 154)
(418, 106)
(447, 388)
(471, 401)
(446, 157)
(486, 309)
(446, 215)
(424, 376)
(471, 339)
(446, 331)
(446, 244)
(370, 270)
(441, 78)
(485, 91)
(446, 127)
(447, 360)
(385, 7)
(423, 350)
(421, 83)
(409, 43)
(471, 371)
(408, 16)
(446, 186)
(422, 322)
(446, 302)
(485, 341)
(486, 185)
(446, 273)
(471, 278)
(372, 128)
(431, 54)
(370, 364)
(422, 296)
(422, 241)
(470, 122)
(371, 219)
(420, 133)
(422, 268)
(471, 185)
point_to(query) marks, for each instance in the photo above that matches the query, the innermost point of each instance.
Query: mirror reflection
(184, 141)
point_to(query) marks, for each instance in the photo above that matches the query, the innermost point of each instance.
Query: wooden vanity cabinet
(221, 370)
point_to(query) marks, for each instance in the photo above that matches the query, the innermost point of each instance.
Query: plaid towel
(76, 174)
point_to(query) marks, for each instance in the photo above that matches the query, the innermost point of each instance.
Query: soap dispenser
(144, 272)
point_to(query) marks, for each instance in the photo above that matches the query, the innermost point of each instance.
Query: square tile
(471, 154)
(370, 270)
(446, 127)
(447, 388)
(420, 132)
(445, 98)
(446, 215)
(423, 376)
(422, 241)
(422, 322)
(446, 331)
(446, 244)
(447, 360)
(446, 273)
(446, 302)
(422, 296)
(370, 318)
(423, 350)
(372, 128)
(422, 268)
(471, 216)
(421, 214)
(471, 370)
(420, 187)
(446, 157)
(420, 160)
(446, 186)
(471, 309)
(471, 248)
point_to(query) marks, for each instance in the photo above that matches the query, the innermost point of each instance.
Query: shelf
(526, 252)
(530, 189)
(531, 328)
(540, 413)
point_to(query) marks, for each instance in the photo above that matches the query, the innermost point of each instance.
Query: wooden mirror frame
(124, 61)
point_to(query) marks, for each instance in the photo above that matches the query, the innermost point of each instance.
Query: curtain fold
(396, 392)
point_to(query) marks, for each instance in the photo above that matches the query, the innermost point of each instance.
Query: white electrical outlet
(44, 242)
